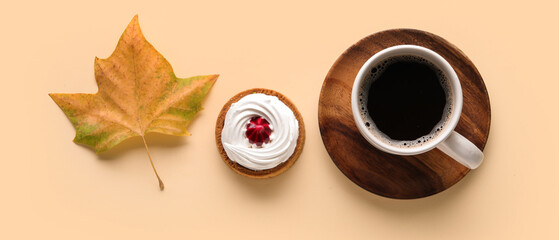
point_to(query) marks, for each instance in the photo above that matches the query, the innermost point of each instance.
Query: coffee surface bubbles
(406, 100)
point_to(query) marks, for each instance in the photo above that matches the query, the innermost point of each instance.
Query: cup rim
(439, 62)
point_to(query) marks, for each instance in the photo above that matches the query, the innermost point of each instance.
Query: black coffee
(406, 99)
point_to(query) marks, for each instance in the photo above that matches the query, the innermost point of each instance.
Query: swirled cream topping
(283, 139)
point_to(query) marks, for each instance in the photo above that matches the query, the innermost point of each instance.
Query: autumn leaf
(138, 93)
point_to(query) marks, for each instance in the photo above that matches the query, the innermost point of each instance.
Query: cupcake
(259, 133)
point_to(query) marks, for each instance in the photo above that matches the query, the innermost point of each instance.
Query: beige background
(53, 188)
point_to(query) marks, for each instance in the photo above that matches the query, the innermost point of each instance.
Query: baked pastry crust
(267, 173)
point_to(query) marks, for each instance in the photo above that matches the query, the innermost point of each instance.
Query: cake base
(267, 173)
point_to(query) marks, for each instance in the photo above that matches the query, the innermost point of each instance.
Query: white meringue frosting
(283, 140)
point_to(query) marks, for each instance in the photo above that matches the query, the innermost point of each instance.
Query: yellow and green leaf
(138, 93)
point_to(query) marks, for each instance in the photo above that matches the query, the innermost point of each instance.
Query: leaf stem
(161, 185)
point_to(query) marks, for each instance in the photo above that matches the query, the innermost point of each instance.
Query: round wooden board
(393, 176)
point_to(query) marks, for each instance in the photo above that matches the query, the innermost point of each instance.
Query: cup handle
(462, 150)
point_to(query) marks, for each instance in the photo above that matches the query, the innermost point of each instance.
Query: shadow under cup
(406, 100)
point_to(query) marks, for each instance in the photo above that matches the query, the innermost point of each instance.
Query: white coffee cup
(447, 140)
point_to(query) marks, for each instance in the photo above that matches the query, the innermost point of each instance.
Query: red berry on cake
(258, 131)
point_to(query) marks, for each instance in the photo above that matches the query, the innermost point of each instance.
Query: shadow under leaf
(153, 140)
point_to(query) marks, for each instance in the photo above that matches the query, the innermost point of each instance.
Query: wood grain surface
(393, 176)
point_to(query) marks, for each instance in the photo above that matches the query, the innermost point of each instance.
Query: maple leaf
(138, 93)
